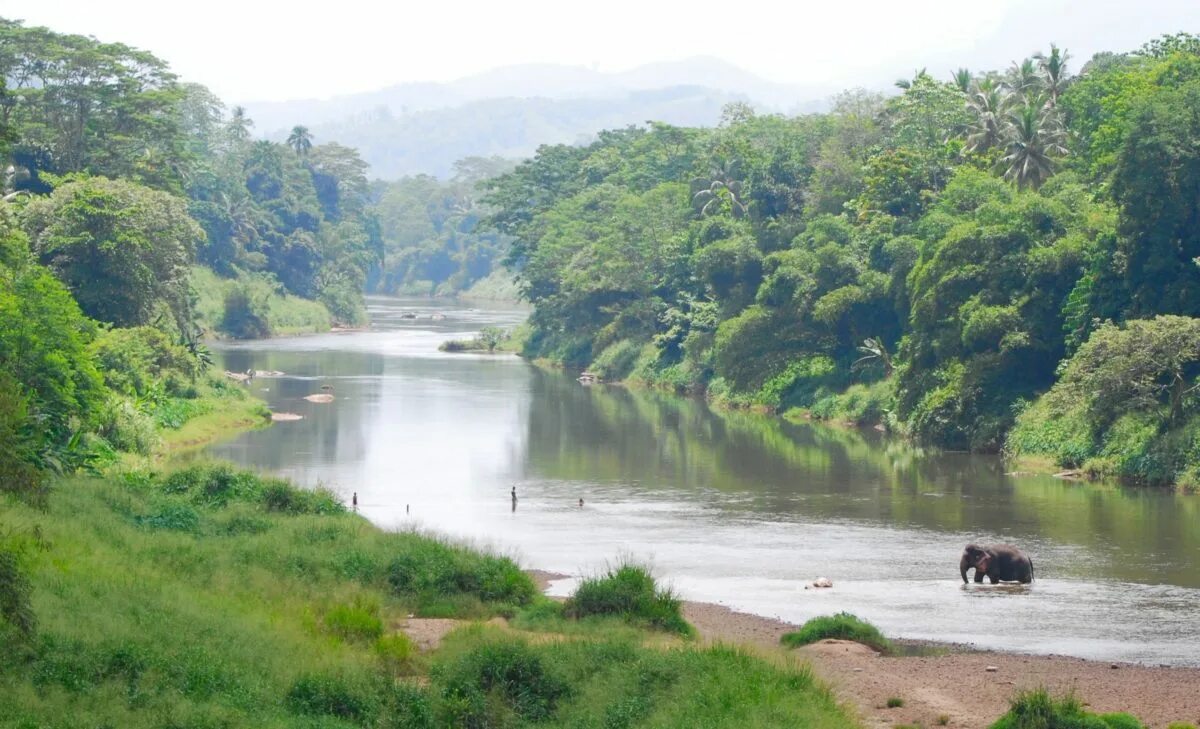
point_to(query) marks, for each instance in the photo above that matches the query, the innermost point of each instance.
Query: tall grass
(188, 600)
(1037, 709)
(842, 626)
(629, 591)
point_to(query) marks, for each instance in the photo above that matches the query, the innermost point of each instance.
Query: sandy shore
(942, 685)
(957, 685)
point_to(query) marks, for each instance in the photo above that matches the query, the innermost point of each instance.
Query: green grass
(842, 626)
(211, 597)
(1037, 709)
(285, 314)
(895, 702)
(485, 677)
(630, 592)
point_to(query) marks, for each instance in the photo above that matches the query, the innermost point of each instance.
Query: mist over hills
(417, 128)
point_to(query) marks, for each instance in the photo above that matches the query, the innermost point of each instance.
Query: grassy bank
(222, 411)
(214, 597)
(261, 308)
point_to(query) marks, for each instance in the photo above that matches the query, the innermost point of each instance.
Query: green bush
(136, 360)
(397, 652)
(1037, 709)
(19, 447)
(17, 619)
(245, 313)
(283, 497)
(496, 681)
(330, 695)
(219, 484)
(842, 626)
(358, 620)
(630, 592)
(428, 568)
(617, 360)
(178, 517)
(126, 427)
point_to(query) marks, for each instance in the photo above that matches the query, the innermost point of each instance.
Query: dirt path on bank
(958, 686)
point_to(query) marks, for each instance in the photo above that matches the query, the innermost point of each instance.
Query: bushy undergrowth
(630, 592)
(1037, 709)
(201, 604)
(1125, 407)
(842, 626)
(446, 577)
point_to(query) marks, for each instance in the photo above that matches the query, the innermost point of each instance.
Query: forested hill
(423, 128)
(987, 260)
(123, 178)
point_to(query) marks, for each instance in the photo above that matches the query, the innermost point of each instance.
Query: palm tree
(988, 103)
(962, 79)
(1034, 140)
(1054, 72)
(721, 186)
(239, 124)
(1024, 78)
(300, 140)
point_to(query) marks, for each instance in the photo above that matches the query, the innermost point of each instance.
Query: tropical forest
(676, 423)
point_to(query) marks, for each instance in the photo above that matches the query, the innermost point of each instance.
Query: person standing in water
(354, 501)
(514, 498)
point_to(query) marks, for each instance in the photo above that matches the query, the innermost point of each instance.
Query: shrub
(126, 428)
(358, 620)
(329, 695)
(245, 315)
(629, 592)
(895, 702)
(843, 626)
(218, 484)
(497, 677)
(427, 568)
(178, 517)
(281, 496)
(410, 708)
(1037, 709)
(19, 447)
(617, 360)
(214, 484)
(397, 652)
(17, 619)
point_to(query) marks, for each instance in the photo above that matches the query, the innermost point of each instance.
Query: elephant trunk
(962, 567)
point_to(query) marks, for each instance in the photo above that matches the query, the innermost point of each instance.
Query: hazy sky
(253, 50)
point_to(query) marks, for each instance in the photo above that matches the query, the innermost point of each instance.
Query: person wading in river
(514, 498)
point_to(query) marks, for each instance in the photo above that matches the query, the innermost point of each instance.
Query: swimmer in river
(581, 503)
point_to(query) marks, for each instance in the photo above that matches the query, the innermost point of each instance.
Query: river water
(733, 508)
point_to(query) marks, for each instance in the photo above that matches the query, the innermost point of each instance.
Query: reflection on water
(730, 507)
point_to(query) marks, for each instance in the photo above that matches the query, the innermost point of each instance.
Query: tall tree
(300, 140)
(1034, 139)
(122, 249)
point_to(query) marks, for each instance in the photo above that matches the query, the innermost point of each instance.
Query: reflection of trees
(329, 434)
(773, 467)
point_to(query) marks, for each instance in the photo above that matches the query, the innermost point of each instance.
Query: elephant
(997, 562)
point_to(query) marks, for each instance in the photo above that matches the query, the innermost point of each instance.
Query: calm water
(730, 508)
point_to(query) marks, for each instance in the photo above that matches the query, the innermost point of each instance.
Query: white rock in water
(822, 582)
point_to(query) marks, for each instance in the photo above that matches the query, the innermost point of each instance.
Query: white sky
(254, 50)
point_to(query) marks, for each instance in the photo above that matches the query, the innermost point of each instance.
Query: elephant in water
(997, 562)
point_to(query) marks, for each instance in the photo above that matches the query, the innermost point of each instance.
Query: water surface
(733, 508)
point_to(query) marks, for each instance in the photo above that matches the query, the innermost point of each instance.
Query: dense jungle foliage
(935, 260)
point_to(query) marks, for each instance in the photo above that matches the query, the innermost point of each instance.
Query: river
(734, 508)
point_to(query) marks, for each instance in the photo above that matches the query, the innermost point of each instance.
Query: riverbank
(218, 597)
(957, 682)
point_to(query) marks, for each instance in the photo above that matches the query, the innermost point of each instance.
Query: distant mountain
(424, 127)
